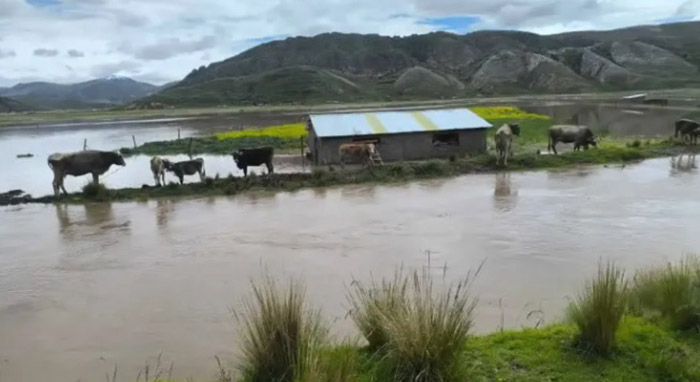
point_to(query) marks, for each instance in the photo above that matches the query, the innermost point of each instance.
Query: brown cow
(80, 163)
(357, 152)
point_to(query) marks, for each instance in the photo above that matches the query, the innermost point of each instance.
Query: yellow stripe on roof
(375, 124)
(423, 121)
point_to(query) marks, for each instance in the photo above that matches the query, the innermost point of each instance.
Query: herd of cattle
(97, 163)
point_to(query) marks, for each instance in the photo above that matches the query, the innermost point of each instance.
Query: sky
(159, 41)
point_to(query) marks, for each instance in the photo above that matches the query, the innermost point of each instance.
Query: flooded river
(83, 288)
(86, 287)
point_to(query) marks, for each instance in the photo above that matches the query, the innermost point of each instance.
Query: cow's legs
(95, 177)
(245, 171)
(201, 175)
(182, 178)
(554, 148)
(270, 168)
(156, 176)
(57, 183)
(162, 175)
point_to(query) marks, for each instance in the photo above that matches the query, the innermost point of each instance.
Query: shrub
(369, 304)
(672, 291)
(337, 364)
(419, 331)
(428, 336)
(281, 336)
(598, 310)
(95, 191)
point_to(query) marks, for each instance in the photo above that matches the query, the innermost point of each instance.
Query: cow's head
(168, 165)
(236, 156)
(118, 159)
(515, 128)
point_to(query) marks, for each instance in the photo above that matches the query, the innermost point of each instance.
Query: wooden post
(189, 149)
(178, 133)
(85, 144)
(133, 138)
(303, 160)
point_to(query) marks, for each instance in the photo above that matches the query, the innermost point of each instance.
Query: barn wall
(412, 146)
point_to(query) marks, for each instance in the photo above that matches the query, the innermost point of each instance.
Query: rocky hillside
(351, 67)
(95, 93)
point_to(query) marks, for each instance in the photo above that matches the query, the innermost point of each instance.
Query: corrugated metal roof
(395, 122)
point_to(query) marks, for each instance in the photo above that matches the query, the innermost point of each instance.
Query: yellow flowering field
(506, 112)
(291, 130)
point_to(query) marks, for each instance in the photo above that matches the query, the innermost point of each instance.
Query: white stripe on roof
(395, 122)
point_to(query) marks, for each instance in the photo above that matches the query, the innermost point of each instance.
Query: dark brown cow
(188, 167)
(357, 152)
(81, 163)
(245, 158)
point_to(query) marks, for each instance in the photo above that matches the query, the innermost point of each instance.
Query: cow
(580, 136)
(158, 167)
(81, 163)
(688, 130)
(358, 152)
(504, 142)
(188, 167)
(259, 156)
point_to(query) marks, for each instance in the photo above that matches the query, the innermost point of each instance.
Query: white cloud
(163, 40)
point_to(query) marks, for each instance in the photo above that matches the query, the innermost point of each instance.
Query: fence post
(178, 133)
(189, 149)
(133, 138)
(303, 160)
(84, 144)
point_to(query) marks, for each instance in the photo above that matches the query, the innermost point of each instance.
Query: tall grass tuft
(419, 331)
(370, 304)
(672, 291)
(281, 336)
(598, 310)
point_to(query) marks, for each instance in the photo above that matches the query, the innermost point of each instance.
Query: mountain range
(95, 93)
(337, 67)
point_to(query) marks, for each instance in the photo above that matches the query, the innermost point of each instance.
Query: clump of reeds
(419, 330)
(671, 291)
(598, 310)
(281, 335)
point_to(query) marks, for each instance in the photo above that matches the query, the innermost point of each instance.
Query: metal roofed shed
(399, 135)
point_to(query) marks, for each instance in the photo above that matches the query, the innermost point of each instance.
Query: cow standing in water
(504, 142)
(357, 152)
(188, 167)
(245, 158)
(81, 163)
(158, 167)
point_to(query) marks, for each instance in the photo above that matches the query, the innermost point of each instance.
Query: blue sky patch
(43, 3)
(456, 24)
(674, 19)
(262, 40)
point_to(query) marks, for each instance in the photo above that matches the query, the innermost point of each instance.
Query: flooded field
(86, 287)
(83, 288)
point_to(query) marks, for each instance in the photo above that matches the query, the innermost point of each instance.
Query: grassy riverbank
(416, 328)
(395, 172)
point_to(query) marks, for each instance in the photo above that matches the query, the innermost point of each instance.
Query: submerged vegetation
(425, 328)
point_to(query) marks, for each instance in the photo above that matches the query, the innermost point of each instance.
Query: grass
(281, 335)
(293, 130)
(97, 192)
(671, 292)
(598, 310)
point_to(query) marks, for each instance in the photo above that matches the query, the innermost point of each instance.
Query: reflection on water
(505, 196)
(94, 219)
(164, 208)
(683, 164)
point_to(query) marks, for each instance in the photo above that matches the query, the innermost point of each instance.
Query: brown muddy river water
(86, 287)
